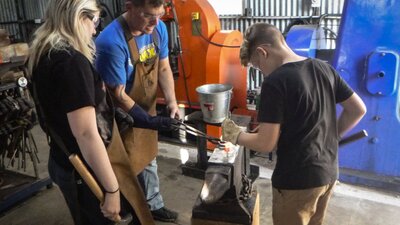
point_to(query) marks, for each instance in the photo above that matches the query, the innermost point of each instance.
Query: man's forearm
(120, 97)
(166, 83)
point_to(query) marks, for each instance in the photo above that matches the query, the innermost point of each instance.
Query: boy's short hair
(254, 36)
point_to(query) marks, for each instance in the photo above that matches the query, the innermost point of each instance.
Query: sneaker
(164, 214)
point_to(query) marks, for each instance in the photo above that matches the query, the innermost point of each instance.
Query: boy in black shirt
(298, 116)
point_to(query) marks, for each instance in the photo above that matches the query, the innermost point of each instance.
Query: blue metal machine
(367, 57)
(305, 40)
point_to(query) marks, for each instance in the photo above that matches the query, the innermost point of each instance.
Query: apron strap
(155, 39)
(130, 40)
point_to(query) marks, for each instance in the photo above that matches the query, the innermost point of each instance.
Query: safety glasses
(95, 19)
(149, 16)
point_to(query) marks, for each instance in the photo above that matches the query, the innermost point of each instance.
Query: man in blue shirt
(132, 58)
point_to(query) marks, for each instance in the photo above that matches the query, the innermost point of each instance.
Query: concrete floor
(350, 205)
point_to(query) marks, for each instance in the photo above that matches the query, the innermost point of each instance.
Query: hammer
(89, 179)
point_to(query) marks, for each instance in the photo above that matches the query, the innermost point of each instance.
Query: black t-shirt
(301, 97)
(66, 81)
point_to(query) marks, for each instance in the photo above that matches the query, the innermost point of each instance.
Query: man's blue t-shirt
(113, 60)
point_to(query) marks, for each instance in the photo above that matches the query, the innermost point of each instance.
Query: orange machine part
(223, 66)
(203, 62)
(194, 48)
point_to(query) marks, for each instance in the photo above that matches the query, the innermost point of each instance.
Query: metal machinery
(227, 194)
(201, 53)
(367, 57)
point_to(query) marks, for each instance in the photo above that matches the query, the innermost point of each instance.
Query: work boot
(164, 214)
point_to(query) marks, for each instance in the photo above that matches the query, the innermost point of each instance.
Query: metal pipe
(333, 16)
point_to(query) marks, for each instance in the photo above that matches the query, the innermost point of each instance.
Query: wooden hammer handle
(87, 176)
(89, 179)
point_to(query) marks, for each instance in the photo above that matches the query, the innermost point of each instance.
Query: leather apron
(127, 180)
(142, 144)
(126, 176)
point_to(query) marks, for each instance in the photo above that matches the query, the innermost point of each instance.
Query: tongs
(195, 132)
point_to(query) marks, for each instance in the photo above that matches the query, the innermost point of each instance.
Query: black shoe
(164, 214)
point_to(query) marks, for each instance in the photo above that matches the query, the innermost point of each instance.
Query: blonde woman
(70, 92)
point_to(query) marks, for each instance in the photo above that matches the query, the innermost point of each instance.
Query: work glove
(144, 120)
(123, 119)
(230, 131)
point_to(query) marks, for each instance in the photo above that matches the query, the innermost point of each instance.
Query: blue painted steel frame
(369, 29)
(304, 40)
(367, 57)
(300, 39)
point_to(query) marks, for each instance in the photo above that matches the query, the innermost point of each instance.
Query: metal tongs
(195, 132)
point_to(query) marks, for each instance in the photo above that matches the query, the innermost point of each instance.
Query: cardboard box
(14, 53)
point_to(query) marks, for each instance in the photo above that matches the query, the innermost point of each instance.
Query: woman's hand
(111, 206)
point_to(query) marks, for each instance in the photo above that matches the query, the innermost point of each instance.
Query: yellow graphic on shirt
(147, 53)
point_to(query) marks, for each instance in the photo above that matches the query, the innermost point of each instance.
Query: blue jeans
(82, 203)
(150, 183)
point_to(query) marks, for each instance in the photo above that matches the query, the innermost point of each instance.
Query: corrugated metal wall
(34, 9)
(9, 17)
(17, 17)
(281, 13)
(278, 12)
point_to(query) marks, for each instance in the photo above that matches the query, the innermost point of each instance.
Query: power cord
(213, 43)
(179, 48)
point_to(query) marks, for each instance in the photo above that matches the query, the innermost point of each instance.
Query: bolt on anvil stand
(198, 168)
(227, 194)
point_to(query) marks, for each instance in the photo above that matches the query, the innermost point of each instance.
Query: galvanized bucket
(214, 101)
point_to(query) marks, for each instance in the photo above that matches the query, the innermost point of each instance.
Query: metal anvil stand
(198, 168)
(227, 194)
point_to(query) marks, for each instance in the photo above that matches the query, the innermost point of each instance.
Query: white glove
(230, 131)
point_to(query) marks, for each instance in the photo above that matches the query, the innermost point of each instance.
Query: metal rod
(337, 17)
(353, 137)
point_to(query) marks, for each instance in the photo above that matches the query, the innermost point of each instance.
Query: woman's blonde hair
(63, 27)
